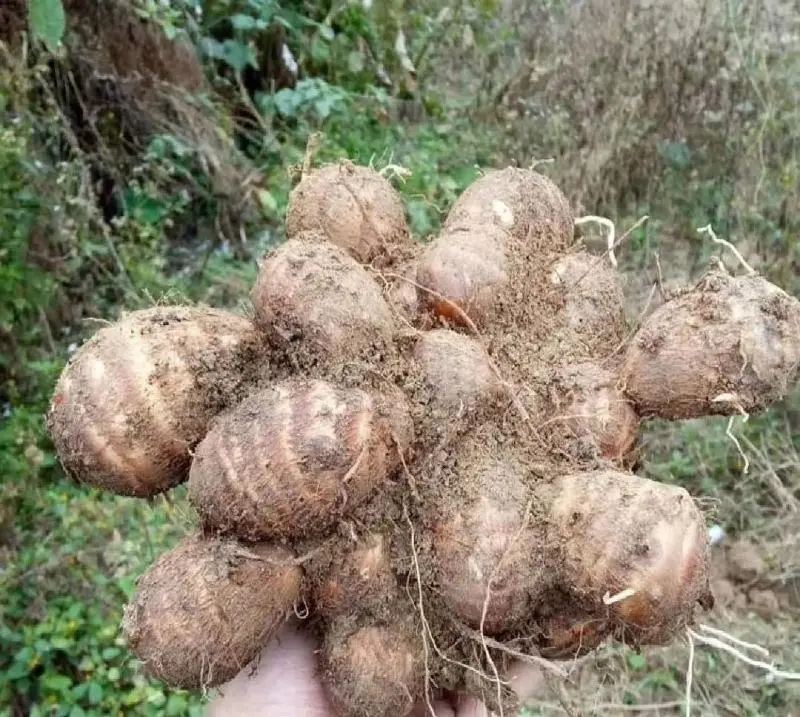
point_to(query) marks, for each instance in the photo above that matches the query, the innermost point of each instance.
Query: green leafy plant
(312, 96)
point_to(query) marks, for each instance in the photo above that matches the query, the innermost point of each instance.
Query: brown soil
(13, 22)
(749, 577)
(745, 563)
(116, 41)
(120, 43)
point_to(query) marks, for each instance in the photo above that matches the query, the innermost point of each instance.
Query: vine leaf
(47, 21)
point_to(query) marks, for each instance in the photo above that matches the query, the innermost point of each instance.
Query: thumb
(282, 683)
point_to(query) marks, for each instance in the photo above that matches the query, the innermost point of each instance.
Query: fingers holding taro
(422, 451)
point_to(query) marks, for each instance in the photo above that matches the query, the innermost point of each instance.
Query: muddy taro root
(422, 448)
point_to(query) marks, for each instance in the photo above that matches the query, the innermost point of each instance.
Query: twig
(245, 96)
(96, 320)
(647, 707)
(488, 598)
(427, 633)
(250, 555)
(365, 215)
(689, 675)
(522, 656)
(636, 326)
(735, 640)
(470, 324)
(75, 145)
(423, 618)
(486, 652)
(412, 483)
(733, 399)
(636, 225)
(536, 162)
(351, 471)
(772, 671)
(47, 331)
(312, 146)
(773, 480)
(708, 230)
(660, 278)
(617, 243)
(609, 225)
(387, 294)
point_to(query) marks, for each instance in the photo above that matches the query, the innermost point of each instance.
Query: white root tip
(619, 597)
(708, 230)
(733, 399)
(735, 640)
(609, 225)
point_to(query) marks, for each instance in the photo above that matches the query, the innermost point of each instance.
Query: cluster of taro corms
(423, 450)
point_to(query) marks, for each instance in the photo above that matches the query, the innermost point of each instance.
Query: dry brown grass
(609, 82)
(688, 105)
(612, 682)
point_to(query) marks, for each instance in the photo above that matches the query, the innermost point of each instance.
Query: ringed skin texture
(140, 394)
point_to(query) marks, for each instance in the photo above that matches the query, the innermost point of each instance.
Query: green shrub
(69, 556)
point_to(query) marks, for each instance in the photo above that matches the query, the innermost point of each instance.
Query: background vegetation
(684, 111)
